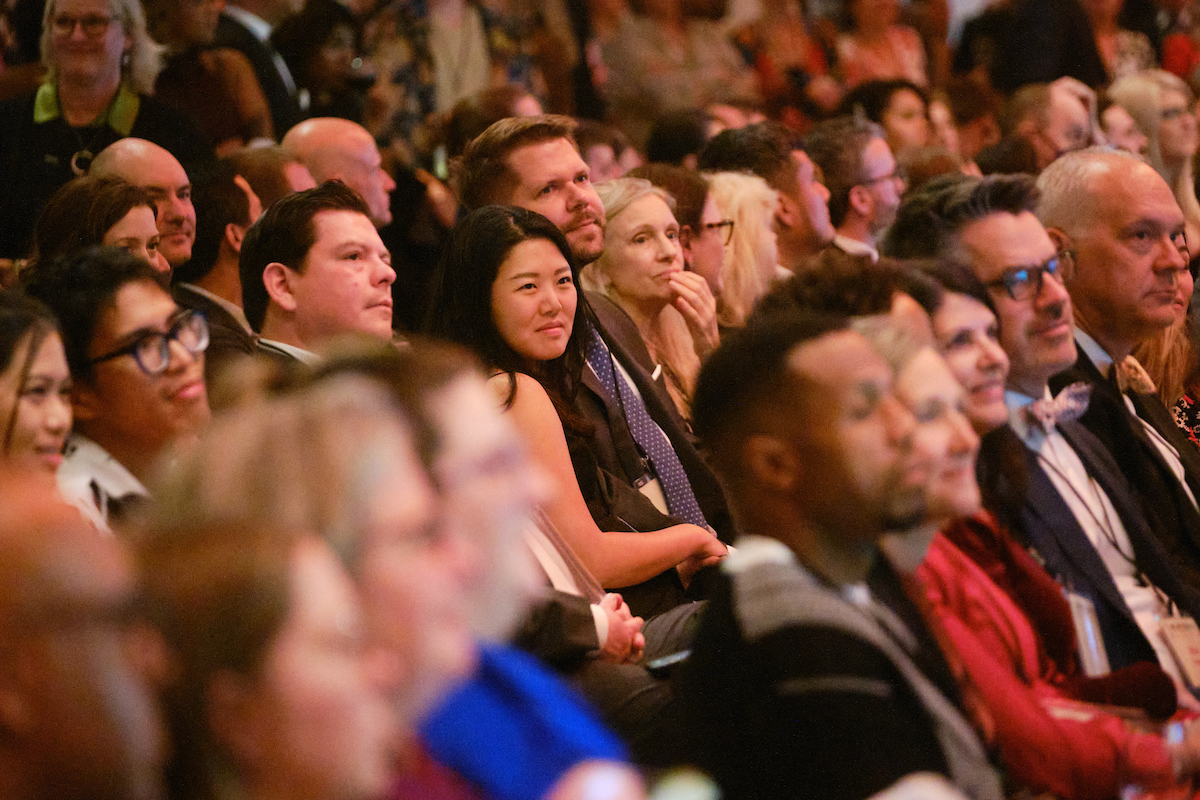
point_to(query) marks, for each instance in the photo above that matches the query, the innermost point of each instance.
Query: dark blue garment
(513, 729)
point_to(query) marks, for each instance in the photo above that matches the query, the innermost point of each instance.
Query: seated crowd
(853, 453)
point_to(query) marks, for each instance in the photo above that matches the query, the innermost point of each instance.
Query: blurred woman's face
(87, 40)
(319, 710)
(706, 247)
(37, 410)
(137, 233)
(1177, 139)
(943, 434)
(533, 300)
(943, 131)
(906, 122)
(968, 337)
(642, 251)
(334, 60)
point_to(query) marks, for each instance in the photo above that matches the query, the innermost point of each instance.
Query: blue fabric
(514, 728)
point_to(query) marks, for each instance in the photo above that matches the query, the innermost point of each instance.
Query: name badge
(1090, 641)
(1183, 638)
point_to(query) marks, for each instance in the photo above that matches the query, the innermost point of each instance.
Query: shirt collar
(854, 247)
(234, 311)
(252, 22)
(299, 353)
(119, 116)
(1094, 351)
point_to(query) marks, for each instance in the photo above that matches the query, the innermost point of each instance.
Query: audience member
(606, 150)
(1123, 51)
(773, 153)
(246, 26)
(770, 719)
(312, 268)
(1050, 119)
(35, 386)
(1122, 131)
(272, 173)
(80, 718)
(97, 89)
(510, 268)
(663, 59)
(1047, 478)
(974, 107)
(1123, 231)
(863, 179)
(91, 211)
(875, 46)
(703, 234)
(899, 106)
(338, 149)
(642, 271)
(320, 46)
(136, 362)
(677, 137)
(1164, 109)
(532, 163)
(751, 261)
(154, 169)
(226, 207)
(273, 692)
(215, 86)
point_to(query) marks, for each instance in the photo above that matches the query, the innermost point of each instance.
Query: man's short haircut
(839, 284)
(1066, 199)
(930, 220)
(1030, 102)
(764, 149)
(285, 233)
(78, 288)
(484, 176)
(745, 377)
(219, 201)
(689, 189)
(264, 168)
(676, 135)
(837, 146)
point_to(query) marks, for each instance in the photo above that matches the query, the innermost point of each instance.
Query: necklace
(81, 161)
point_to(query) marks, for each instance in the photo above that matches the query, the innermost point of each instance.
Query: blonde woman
(642, 271)
(752, 256)
(1162, 106)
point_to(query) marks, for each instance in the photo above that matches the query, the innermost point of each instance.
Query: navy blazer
(1172, 517)
(1018, 489)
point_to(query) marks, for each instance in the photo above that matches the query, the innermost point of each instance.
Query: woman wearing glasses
(642, 271)
(101, 66)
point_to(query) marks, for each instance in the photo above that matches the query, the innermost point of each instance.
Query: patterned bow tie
(1132, 376)
(1069, 405)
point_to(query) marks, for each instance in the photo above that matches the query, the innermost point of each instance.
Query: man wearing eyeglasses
(137, 362)
(863, 179)
(1121, 221)
(1051, 480)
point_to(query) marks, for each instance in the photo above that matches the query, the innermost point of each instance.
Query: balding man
(1118, 221)
(77, 716)
(338, 149)
(151, 167)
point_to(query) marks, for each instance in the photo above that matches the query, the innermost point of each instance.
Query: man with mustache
(1048, 479)
(1119, 221)
(533, 162)
(312, 268)
(151, 167)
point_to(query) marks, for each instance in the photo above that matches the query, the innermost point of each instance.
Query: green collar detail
(119, 116)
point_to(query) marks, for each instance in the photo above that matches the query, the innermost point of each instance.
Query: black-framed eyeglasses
(94, 25)
(1022, 283)
(152, 350)
(727, 224)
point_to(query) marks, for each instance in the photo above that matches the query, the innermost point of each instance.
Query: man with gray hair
(1118, 223)
(863, 179)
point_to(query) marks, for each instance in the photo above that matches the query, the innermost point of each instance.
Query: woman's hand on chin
(694, 300)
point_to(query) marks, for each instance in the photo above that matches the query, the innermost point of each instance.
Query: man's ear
(685, 240)
(771, 463)
(85, 403)
(861, 201)
(278, 280)
(1061, 240)
(234, 234)
(787, 211)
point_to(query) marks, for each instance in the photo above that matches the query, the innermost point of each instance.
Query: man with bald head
(151, 167)
(1123, 232)
(77, 714)
(338, 149)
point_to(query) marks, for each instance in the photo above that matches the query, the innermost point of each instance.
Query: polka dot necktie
(681, 500)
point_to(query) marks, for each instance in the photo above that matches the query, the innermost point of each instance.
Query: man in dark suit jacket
(246, 26)
(226, 207)
(1128, 249)
(533, 162)
(1052, 483)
